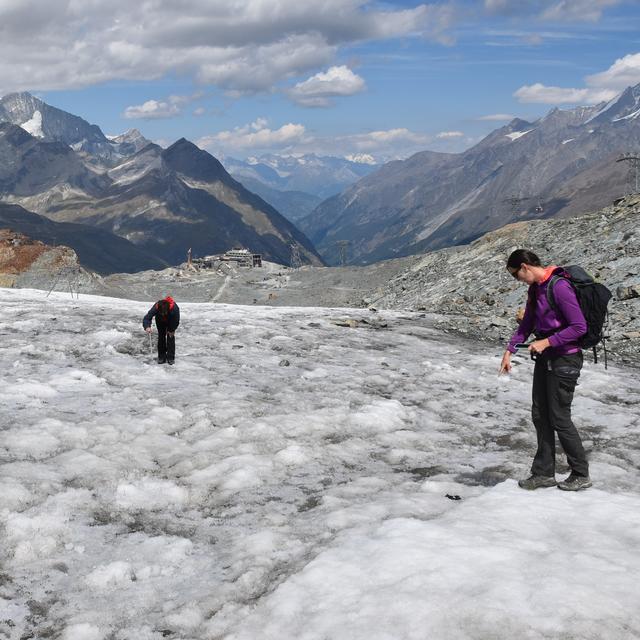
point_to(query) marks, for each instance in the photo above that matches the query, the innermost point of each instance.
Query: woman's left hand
(539, 345)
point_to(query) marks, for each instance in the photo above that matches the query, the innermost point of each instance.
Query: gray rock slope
(471, 289)
(557, 166)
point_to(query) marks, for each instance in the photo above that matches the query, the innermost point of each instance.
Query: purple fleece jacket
(567, 325)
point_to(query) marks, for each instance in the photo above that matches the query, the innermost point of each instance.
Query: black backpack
(593, 298)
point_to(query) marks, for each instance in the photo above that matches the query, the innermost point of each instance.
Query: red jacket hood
(171, 302)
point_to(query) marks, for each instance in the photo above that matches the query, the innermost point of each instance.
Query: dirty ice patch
(33, 537)
(83, 631)
(14, 496)
(27, 390)
(380, 416)
(474, 573)
(28, 443)
(187, 619)
(234, 474)
(292, 455)
(315, 374)
(149, 494)
(74, 380)
(110, 336)
(165, 549)
(110, 576)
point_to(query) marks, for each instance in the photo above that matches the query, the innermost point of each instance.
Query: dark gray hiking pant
(554, 381)
(166, 343)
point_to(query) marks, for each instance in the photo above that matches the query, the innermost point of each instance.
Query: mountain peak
(19, 107)
(188, 159)
(625, 106)
(518, 124)
(49, 123)
(130, 142)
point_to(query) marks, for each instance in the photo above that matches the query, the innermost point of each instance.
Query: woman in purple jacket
(556, 371)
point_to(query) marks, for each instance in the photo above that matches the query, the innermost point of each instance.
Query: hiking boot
(170, 361)
(575, 483)
(161, 360)
(537, 482)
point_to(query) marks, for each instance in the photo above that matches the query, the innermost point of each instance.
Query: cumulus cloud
(376, 140)
(294, 138)
(542, 94)
(317, 90)
(623, 73)
(256, 135)
(447, 135)
(241, 47)
(555, 10)
(158, 109)
(497, 117)
(601, 87)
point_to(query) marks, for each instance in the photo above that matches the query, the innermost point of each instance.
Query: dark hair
(163, 309)
(523, 256)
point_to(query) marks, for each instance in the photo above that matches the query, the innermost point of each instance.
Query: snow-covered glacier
(293, 478)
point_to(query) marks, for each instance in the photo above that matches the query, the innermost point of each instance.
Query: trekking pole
(150, 345)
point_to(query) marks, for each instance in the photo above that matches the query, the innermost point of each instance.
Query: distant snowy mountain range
(559, 165)
(296, 184)
(163, 201)
(321, 176)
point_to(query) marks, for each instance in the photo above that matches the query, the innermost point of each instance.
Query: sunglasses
(516, 272)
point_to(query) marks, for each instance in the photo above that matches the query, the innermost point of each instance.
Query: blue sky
(338, 77)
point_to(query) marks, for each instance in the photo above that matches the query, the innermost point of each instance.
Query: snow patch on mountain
(518, 134)
(361, 158)
(34, 125)
(631, 116)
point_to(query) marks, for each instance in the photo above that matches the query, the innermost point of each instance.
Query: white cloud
(548, 10)
(379, 139)
(256, 135)
(581, 10)
(542, 94)
(497, 117)
(294, 138)
(242, 46)
(601, 87)
(158, 109)
(623, 73)
(317, 90)
(446, 135)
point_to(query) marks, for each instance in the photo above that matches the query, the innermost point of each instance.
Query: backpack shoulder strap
(551, 299)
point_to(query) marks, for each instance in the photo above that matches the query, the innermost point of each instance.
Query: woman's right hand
(148, 329)
(505, 365)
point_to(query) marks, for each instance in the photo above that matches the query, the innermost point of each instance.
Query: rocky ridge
(472, 290)
(28, 263)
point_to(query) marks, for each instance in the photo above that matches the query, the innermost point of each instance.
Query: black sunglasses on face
(516, 272)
